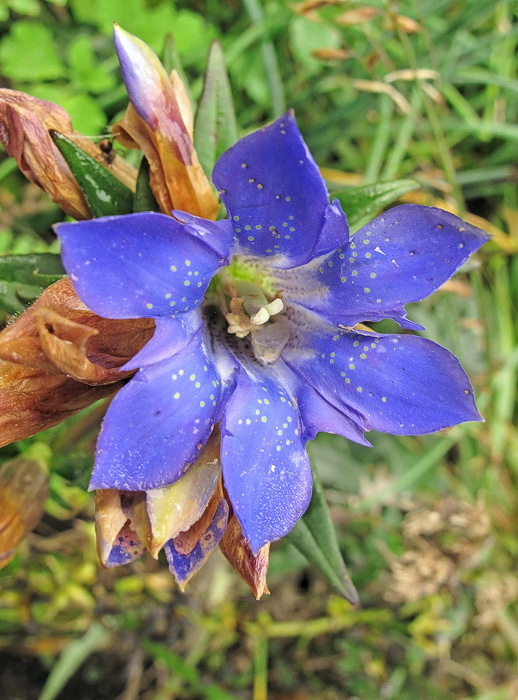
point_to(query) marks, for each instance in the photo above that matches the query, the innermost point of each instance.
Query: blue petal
(170, 336)
(184, 566)
(335, 230)
(398, 384)
(158, 423)
(217, 234)
(319, 416)
(126, 548)
(140, 265)
(274, 194)
(265, 467)
(400, 257)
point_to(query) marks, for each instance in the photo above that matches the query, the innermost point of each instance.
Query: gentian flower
(256, 331)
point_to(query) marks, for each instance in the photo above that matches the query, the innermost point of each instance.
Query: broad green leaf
(105, 195)
(22, 278)
(85, 69)
(215, 128)
(307, 36)
(86, 114)
(193, 34)
(30, 8)
(29, 52)
(315, 537)
(148, 21)
(362, 203)
(144, 199)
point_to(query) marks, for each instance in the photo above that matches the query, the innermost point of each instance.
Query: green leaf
(105, 195)
(315, 537)
(307, 36)
(171, 61)
(362, 203)
(22, 278)
(84, 110)
(144, 198)
(86, 72)
(71, 658)
(215, 128)
(29, 52)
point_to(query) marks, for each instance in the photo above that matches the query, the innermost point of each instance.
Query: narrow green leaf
(361, 203)
(315, 537)
(104, 194)
(23, 277)
(71, 658)
(215, 128)
(185, 671)
(171, 61)
(144, 199)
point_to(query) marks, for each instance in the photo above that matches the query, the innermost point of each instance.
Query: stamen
(265, 312)
(275, 307)
(260, 317)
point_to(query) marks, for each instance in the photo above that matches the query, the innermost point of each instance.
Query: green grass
(427, 525)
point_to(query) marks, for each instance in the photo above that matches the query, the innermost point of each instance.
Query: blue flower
(255, 329)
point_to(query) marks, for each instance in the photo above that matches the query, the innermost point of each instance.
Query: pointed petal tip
(260, 592)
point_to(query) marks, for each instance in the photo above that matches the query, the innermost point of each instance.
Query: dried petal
(175, 508)
(186, 541)
(23, 491)
(121, 526)
(184, 566)
(24, 131)
(57, 358)
(236, 548)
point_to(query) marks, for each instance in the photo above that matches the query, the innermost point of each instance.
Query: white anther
(275, 307)
(260, 317)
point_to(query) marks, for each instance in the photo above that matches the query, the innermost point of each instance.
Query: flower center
(245, 298)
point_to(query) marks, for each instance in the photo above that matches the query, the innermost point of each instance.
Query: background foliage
(424, 89)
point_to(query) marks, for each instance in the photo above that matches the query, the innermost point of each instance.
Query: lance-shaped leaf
(361, 203)
(172, 61)
(215, 125)
(315, 537)
(159, 122)
(105, 195)
(144, 199)
(23, 491)
(23, 277)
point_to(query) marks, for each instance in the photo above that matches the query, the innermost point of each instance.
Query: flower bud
(159, 122)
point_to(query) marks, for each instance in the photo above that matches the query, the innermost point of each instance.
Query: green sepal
(215, 127)
(23, 277)
(362, 203)
(315, 537)
(144, 199)
(104, 194)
